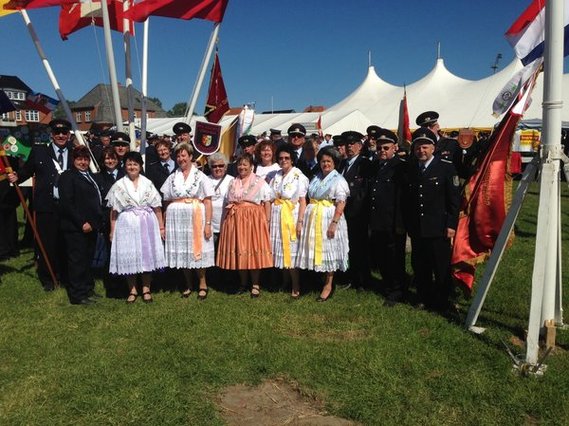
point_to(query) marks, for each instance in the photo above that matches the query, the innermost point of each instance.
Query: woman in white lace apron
(137, 228)
(324, 238)
(189, 237)
(289, 186)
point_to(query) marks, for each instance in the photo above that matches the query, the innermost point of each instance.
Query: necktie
(423, 168)
(60, 158)
(165, 165)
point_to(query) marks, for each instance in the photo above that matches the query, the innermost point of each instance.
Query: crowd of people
(337, 206)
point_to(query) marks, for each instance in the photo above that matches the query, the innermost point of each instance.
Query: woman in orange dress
(244, 243)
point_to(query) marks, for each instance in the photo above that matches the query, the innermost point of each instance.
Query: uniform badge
(455, 181)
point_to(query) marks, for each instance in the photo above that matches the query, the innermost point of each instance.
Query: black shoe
(83, 302)
(324, 299)
(202, 293)
(255, 292)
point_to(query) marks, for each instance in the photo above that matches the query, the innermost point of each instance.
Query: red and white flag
(403, 131)
(74, 16)
(211, 10)
(527, 33)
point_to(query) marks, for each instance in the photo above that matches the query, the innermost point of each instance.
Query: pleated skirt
(244, 239)
(277, 238)
(180, 238)
(334, 250)
(136, 246)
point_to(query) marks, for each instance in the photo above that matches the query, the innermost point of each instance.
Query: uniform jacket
(41, 164)
(449, 149)
(430, 199)
(357, 178)
(158, 174)
(79, 202)
(384, 194)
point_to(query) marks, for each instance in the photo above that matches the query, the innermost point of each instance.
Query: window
(78, 117)
(18, 115)
(16, 96)
(32, 115)
(87, 116)
(5, 116)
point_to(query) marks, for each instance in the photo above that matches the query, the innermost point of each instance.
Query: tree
(156, 101)
(178, 110)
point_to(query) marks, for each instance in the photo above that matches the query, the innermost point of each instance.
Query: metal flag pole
(144, 87)
(201, 75)
(545, 268)
(93, 164)
(128, 77)
(112, 66)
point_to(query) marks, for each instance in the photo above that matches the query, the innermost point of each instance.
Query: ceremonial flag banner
(217, 103)
(211, 10)
(75, 16)
(4, 165)
(228, 139)
(403, 131)
(41, 102)
(207, 137)
(527, 33)
(486, 198)
(35, 4)
(3, 10)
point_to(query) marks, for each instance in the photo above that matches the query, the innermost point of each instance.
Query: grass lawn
(166, 362)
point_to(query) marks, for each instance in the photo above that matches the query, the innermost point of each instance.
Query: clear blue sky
(298, 53)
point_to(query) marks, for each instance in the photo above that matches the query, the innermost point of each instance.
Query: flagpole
(93, 164)
(144, 87)
(545, 269)
(128, 77)
(112, 66)
(201, 75)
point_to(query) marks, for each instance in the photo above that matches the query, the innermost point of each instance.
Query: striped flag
(211, 10)
(40, 102)
(527, 33)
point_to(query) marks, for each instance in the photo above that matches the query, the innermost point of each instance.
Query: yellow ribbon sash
(316, 213)
(288, 229)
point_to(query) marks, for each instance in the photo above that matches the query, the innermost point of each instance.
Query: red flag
(486, 199)
(319, 126)
(217, 103)
(403, 131)
(75, 16)
(35, 4)
(211, 10)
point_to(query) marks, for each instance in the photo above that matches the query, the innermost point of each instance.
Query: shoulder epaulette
(444, 160)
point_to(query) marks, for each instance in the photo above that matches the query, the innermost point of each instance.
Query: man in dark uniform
(297, 139)
(182, 131)
(370, 147)
(340, 145)
(247, 144)
(276, 138)
(46, 163)
(97, 149)
(159, 171)
(9, 203)
(430, 197)
(388, 235)
(446, 148)
(150, 154)
(121, 143)
(355, 169)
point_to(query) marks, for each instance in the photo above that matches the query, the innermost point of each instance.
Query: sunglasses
(385, 148)
(297, 136)
(60, 132)
(218, 166)
(283, 158)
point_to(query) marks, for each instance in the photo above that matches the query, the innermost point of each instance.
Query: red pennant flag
(403, 131)
(211, 10)
(486, 199)
(217, 103)
(75, 16)
(319, 126)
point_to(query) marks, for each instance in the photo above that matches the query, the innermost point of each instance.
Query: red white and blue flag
(40, 102)
(527, 34)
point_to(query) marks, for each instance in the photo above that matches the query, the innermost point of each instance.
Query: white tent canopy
(460, 103)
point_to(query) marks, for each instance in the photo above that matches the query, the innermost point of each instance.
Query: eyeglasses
(283, 158)
(385, 147)
(218, 166)
(60, 132)
(297, 136)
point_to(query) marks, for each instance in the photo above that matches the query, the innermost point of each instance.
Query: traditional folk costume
(136, 246)
(221, 188)
(186, 246)
(288, 189)
(316, 251)
(244, 242)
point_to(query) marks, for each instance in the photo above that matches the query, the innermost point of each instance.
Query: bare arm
(338, 212)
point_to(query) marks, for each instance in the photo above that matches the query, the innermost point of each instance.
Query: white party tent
(460, 103)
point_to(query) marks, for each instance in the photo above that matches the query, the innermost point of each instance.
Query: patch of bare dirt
(273, 402)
